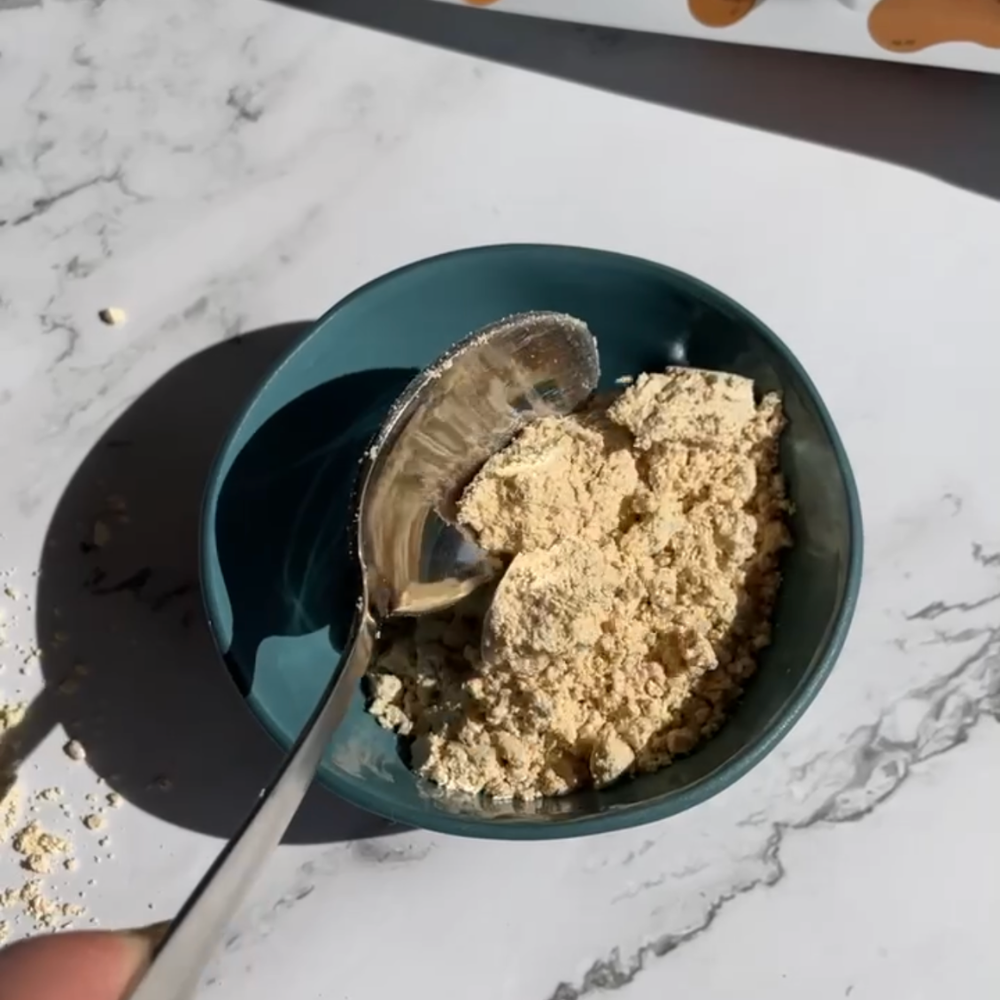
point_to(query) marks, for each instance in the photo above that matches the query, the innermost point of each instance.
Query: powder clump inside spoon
(641, 538)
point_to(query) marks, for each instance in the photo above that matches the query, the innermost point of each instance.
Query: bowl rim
(625, 817)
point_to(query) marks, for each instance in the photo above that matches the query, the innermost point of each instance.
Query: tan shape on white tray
(720, 13)
(913, 25)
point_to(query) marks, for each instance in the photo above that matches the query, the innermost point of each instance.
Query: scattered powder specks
(10, 810)
(42, 910)
(29, 653)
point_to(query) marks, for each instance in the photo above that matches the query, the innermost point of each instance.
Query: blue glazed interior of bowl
(280, 586)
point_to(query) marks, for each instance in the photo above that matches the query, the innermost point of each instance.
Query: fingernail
(151, 935)
(144, 942)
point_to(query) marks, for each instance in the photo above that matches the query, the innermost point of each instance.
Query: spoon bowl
(450, 419)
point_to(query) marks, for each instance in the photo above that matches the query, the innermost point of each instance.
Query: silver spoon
(413, 560)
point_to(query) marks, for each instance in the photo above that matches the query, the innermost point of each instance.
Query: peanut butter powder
(641, 539)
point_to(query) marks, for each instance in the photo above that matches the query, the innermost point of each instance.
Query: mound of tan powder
(642, 539)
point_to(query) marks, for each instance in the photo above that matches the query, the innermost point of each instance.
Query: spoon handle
(198, 927)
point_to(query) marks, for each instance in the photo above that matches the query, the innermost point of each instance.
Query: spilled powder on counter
(31, 900)
(643, 538)
(10, 808)
(11, 715)
(38, 848)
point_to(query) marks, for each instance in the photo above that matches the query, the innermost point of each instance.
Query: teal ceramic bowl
(280, 585)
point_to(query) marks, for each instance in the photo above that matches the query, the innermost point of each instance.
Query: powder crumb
(112, 316)
(53, 794)
(610, 758)
(11, 715)
(71, 864)
(38, 848)
(686, 406)
(74, 749)
(94, 821)
(114, 800)
(642, 538)
(43, 911)
(4, 931)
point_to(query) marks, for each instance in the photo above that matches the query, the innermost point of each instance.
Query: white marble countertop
(225, 170)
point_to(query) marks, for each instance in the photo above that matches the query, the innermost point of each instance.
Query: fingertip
(80, 965)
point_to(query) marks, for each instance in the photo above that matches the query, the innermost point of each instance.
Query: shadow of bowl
(130, 668)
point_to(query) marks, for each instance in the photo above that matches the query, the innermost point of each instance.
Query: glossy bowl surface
(280, 587)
